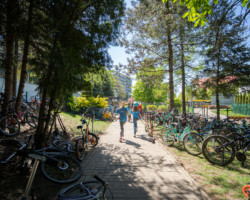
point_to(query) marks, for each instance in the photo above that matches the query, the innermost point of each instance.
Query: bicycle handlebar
(100, 180)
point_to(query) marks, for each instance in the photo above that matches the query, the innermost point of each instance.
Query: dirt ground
(14, 178)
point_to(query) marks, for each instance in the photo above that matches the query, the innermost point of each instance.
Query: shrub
(98, 102)
(162, 108)
(151, 107)
(79, 103)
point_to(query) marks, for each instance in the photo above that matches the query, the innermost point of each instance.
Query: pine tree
(226, 52)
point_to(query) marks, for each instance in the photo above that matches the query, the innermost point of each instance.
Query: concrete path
(210, 113)
(138, 169)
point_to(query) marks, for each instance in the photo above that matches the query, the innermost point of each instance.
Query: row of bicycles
(59, 161)
(220, 141)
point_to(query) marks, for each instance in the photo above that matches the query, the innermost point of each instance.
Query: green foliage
(240, 99)
(244, 98)
(177, 102)
(102, 83)
(198, 10)
(149, 87)
(79, 103)
(151, 107)
(162, 108)
(97, 102)
(236, 98)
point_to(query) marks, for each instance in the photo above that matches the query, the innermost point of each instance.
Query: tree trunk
(9, 48)
(183, 73)
(39, 136)
(25, 56)
(14, 79)
(170, 61)
(217, 84)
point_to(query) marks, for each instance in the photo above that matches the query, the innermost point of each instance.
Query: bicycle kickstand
(37, 158)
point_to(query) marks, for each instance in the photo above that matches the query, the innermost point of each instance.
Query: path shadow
(144, 137)
(134, 174)
(129, 142)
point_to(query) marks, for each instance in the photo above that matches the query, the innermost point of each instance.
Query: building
(29, 86)
(125, 82)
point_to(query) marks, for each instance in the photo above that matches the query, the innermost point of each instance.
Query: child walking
(136, 116)
(123, 118)
(129, 111)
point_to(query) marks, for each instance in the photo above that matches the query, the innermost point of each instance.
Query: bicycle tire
(69, 171)
(31, 119)
(107, 195)
(77, 191)
(214, 152)
(193, 143)
(93, 139)
(61, 144)
(9, 125)
(246, 190)
(167, 136)
(80, 149)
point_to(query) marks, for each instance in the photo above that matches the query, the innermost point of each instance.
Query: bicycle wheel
(64, 145)
(81, 190)
(80, 149)
(31, 119)
(167, 136)
(93, 139)
(107, 195)
(246, 190)
(9, 125)
(193, 143)
(68, 169)
(218, 150)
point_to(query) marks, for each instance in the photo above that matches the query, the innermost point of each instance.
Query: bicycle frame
(179, 136)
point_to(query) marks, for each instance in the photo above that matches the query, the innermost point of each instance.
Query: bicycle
(221, 150)
(191, 140)
(149, 127)
(58, 167)
(79, 145)
(246, 191)
(87, 190)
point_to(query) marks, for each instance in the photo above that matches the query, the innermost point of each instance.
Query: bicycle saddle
(79, 127)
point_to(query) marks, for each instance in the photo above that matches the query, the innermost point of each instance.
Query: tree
(25, 53)
(160, 38)
(150, 87)
(226, 54)
(148, 22)
(103, 84)
(198, 10)
(80, 34)
(9, 37)
(119, 89)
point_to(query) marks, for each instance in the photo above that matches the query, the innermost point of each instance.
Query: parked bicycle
(192, 141)
(97, 189)
(58, 167)
(79, 145)
(221, 150)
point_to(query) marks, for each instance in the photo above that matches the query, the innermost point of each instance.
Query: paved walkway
(138, 169)
(210, 113)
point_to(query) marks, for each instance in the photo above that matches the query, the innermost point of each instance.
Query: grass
(224, 112)
(221, 183)
(71, 121)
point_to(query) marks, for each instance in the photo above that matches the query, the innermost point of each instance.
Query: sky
(119, 56)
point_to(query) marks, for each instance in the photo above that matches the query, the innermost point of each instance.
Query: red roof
(201, 81)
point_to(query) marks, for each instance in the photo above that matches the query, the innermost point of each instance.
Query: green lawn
(220, 183)
(71, 121)
(224, 112)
